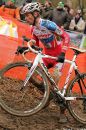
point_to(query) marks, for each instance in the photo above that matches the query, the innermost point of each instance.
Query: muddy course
(46, 119)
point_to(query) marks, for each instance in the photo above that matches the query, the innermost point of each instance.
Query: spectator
(71, 12)
(47, 10)
(60, 16)
(1, 2)
(67, 8)
(77, 23)
(10, 10)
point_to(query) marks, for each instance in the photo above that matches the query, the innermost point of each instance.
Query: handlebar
(23, 50)
(33, 48)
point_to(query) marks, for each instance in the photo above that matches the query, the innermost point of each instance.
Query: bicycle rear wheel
(17, 99)
(77, 107)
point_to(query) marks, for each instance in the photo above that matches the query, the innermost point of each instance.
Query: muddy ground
(46, 119)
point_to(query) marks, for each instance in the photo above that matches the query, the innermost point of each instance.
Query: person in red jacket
(47, 32)
(10, 10)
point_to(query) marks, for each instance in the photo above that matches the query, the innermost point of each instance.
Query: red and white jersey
(47, 32)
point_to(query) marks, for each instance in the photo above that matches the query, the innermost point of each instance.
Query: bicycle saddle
(78, 50)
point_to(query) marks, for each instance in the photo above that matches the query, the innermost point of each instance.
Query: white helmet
(30, 7)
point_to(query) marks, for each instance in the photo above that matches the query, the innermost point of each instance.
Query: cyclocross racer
(47, 32)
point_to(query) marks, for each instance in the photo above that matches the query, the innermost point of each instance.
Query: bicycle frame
(72, 66)
(39, 60)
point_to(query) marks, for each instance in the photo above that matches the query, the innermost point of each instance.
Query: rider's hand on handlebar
(33, 47)
(61, 57)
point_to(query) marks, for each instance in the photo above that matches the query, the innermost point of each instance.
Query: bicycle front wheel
(77, 89)
(18, 99)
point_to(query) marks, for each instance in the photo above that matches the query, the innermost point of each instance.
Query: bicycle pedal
(61, 102)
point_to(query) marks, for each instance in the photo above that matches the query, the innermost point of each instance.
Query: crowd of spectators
(62, 15)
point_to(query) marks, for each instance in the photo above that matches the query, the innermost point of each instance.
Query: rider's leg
(55, 52)
(63, 118)
(57, 72)
(56, 75)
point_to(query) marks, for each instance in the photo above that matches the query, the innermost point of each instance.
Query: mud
(46, 119)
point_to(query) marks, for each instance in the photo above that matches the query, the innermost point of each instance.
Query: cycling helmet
(30, 8)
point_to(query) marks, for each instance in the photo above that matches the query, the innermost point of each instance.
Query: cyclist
(47, 32)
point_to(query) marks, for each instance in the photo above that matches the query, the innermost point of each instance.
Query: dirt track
(46, 119)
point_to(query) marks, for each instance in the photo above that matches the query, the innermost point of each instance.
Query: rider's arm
(66, 41)
(36, 40)
(59, 32)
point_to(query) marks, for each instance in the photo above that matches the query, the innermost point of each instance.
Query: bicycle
(24, 86)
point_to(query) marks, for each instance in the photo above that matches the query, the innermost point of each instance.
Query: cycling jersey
(47, 32)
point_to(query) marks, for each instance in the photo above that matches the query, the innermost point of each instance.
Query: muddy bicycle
(21, 84)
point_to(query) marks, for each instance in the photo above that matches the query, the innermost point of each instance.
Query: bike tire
(77, 108)
(7, 92)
